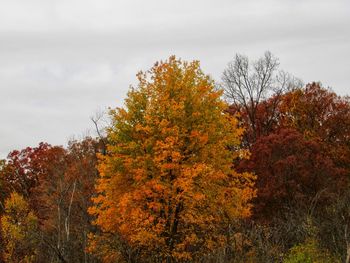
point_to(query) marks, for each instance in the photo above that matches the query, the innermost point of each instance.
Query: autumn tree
(80, 176)
(19, 228)
(291, 172)
(3, 194)
(58, 184)
(22, 168)
(301, 159)
(2, 187)
(311, 120)
(20, 171)
(167, 186)
(323, 116)
(334, 225)
(63, 196)
(319, 113)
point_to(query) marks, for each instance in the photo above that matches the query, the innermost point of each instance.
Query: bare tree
(247, 84)
(100, 122)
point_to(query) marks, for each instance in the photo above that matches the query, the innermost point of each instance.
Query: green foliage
(309, 252)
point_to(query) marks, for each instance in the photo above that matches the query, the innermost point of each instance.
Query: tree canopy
(167, 183)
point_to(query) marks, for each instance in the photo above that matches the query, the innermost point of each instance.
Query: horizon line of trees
(256, 170)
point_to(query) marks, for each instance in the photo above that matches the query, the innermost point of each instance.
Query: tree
(22, 168)
(20, 173)
(318, 113)
(334, 226)
(64, 191)
(301, 160)
(291, 172)
(100, 122)
(248, 86)
(3, 194)
(19, 226)
(80, 174)
(58, 184)
(309, 252)
(3, 186)
(167, 187)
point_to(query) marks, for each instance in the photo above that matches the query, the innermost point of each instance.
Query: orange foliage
(167, 186)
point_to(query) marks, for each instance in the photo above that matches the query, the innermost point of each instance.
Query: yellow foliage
(18, 225)
(167, 183)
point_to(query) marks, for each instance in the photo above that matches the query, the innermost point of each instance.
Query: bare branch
(247, 84)
(99, 119)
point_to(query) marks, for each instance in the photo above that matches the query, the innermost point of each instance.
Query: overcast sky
(60, 61)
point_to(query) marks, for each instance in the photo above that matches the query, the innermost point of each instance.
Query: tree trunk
(347, 254)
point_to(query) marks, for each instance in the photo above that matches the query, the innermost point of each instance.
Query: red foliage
(319, 113)
(24, 168)
(291, 171)
(58, 184)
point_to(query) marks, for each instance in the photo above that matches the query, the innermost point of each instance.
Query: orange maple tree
(167, 185)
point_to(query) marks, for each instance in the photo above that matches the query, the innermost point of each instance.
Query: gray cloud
(61, 60)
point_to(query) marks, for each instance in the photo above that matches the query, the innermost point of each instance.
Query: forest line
(254, 169)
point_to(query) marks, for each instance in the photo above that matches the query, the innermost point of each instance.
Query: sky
(63, 60)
